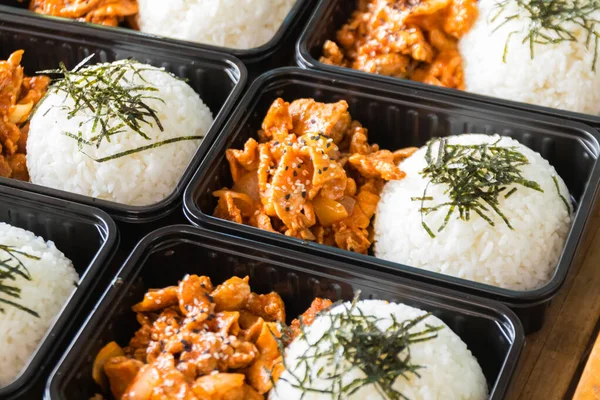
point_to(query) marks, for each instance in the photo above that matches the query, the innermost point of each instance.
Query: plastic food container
(398, 117)
(330, 15)
(218, 78)
(88, 237)
(269, 55)
(491, 331)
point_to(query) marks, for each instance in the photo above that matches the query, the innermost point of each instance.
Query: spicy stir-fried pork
(18, 97)
(104, 12)
(200, 342)
(312, 175)
(410, 39)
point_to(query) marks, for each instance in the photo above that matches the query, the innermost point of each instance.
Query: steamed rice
(53, 279)
(449, 370)
(559, 75)
(239, 24)
(521, 259)
(143, 178)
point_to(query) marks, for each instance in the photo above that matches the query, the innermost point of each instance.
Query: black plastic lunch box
(398, 117)
(492, 332)
(330, 15)
(88, 237)
(218, 78)
(278, 51)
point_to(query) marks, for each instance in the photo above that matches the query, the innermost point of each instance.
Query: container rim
(63, 321)
(305, 60)
(232, 66)
(513, 298)
(120, 33)
(506, 319)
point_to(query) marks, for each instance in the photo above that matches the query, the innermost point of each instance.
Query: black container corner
(490, 330)
(571, 147)
(88, 237)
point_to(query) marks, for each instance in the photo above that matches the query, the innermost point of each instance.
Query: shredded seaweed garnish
(355, 341)
(106, 90)
(565, 202)
(548, 19)
(475, 176)
(12, 267)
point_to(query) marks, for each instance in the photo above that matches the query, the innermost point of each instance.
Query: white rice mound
(238, 24)
(524, 258)
(559, 75)
(450, 370)
(143, 178)
(53, 279)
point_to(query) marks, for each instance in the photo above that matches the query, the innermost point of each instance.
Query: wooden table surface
(553, 358)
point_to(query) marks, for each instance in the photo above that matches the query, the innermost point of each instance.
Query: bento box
(330, 15)
(275, 52)
(491, 331)
(397, 117)
(88, 237)
(218, 78)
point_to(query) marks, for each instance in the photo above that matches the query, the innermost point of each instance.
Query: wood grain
(551, 361)
(589, 385)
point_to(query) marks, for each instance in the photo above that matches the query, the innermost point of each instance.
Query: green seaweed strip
(565, 202)
(148, 147)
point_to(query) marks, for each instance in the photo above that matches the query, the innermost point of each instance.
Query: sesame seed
(325, 169)
(319, 171)
(295, 173)
(287, 196)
